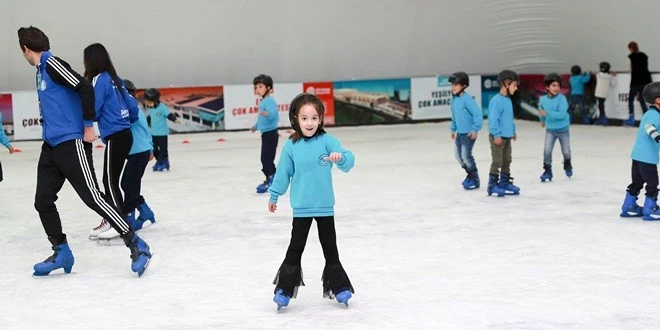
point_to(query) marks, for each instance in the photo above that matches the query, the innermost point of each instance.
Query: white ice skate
(102, 228)
(108, 235)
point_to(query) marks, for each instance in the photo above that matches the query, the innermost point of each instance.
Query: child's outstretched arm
(344, 159)
(282, 179)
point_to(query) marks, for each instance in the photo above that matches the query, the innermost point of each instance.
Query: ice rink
(420, 251)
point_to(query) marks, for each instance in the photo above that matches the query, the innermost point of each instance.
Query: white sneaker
(103, 227)
(108, 234)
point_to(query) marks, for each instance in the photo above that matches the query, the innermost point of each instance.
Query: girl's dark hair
(97, 60)
(33, 38)
(633, 47)
(295, 106)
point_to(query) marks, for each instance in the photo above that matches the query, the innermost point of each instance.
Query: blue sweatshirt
(578, 82)
(4, 139)
(466, 116)
(647, 144)
(115, 109)
(302, 165)
(158, 117)
(270, 122)
(141, 137)
(66, 101)
(557, 118)
(500, 117)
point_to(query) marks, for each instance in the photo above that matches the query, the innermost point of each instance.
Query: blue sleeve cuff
(88, 123)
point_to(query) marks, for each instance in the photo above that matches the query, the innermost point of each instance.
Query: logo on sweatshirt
(323, 161)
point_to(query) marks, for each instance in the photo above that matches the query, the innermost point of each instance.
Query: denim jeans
(463, 152)
(564, 138)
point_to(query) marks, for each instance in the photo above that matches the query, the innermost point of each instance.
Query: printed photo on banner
(26, 116)
(431, 96)
(364, 102)
(489, 88)
(243, 105)
(324, 90)
(199, 108)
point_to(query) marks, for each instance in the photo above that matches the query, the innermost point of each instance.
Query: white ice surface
(420, 251)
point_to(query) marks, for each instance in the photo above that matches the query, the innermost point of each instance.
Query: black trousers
(289, 276)
(644, 173)
(269, 142)
(601, 107)
(131, 182)
(72, 161)
(118, 146)
(160, 148)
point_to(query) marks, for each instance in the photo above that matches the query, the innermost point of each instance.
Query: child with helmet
(578, 80)
(604, 80)
(306, 163)
(267, 121)
(645, 157)
(157, 115)
(502, 131)
(554, 116)
(466, 121)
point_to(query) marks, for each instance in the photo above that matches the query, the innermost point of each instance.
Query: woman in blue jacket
(115, 111)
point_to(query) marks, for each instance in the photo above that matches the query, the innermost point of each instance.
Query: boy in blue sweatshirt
(131, 182)
(267, 121)
(553, 113)
(645, 160)
(577, 81)
(466, 121)
(306, 163)
(157, 116)
(502, 131)
(4, 140)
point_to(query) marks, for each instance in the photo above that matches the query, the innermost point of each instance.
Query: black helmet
(507, 75)
(651, 92)
(459, 77)
(576, 69)
(152, 95)
(263, 79)
(299, 101)
(550, 78)
(604, 66)
(130, 86)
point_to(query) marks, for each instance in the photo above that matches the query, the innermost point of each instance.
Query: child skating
(306, 162)
(466, 122)
(267, 121)
(554, 116)
(645, 160)
(502, 131)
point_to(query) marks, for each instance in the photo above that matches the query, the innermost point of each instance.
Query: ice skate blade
(650, 218)
(628, 215)
(144, 269)
(45, 275)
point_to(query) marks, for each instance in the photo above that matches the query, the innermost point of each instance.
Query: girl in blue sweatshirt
(306, 163)
(554, 116)
(115, 111)
(267, 122)
(4, 140)
(466, 121)
(131, 181)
